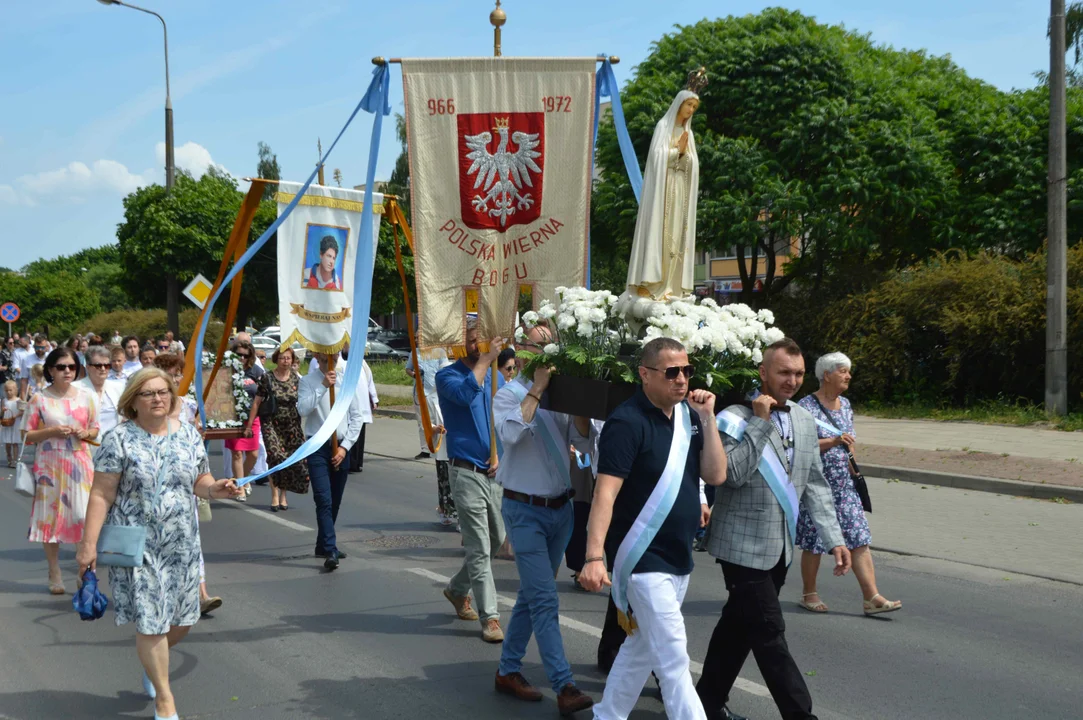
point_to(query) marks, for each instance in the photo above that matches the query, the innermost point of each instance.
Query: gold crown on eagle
(501, 122)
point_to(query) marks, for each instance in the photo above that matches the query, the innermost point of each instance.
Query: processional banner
(317, 247)
(500, 172)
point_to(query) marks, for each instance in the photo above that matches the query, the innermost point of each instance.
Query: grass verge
(992, 412)
(390, 373)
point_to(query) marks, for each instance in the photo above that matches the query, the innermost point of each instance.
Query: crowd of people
(111, 442)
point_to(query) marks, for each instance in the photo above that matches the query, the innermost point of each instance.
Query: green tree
(52, 303)
(268, 168)
(386, 284)
(872, 158)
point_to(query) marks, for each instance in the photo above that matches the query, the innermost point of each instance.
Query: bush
(150, 323)
(955, 330)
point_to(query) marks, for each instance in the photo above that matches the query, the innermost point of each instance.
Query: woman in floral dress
(147, 471)
(282, 433)
(58, 419)
(828, 406)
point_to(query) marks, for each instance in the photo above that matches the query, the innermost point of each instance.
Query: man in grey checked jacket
(750, 538)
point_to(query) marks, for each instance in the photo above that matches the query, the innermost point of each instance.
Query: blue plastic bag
(88, 601)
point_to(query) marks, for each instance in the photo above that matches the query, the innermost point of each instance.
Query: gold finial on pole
(497, 17)
(319, 149)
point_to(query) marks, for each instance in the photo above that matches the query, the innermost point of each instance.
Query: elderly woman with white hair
(828, 406)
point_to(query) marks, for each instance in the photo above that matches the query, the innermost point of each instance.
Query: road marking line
(269, 516)
(572, 624)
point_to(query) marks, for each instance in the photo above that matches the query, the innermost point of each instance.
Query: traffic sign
(9, 312)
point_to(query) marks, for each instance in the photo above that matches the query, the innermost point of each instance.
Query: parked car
(269, 345)
(272, 331)
(375, 350)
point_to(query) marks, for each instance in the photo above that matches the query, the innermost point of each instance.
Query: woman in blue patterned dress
(827, 405)
(162, 596)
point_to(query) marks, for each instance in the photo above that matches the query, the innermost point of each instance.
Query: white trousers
(660, 644)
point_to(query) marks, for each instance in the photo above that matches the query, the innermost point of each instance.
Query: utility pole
(1056, 309)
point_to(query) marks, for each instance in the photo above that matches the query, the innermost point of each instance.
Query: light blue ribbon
(829, 427)
(770, 467)
(374, 101)
(606, 84)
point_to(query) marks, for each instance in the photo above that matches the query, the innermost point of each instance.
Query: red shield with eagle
(501, 161)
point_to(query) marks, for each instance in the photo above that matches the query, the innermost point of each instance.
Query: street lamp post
(172, 286)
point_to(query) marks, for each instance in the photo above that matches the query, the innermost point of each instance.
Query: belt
(553, 503)
(467, 465)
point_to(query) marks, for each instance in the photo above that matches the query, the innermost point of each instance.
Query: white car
(269, 345)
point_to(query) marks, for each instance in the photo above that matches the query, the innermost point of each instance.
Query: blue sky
(82, 85)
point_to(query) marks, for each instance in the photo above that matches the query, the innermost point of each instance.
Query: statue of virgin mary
(663, 247)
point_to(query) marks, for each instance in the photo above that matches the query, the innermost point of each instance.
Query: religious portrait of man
(325, 250)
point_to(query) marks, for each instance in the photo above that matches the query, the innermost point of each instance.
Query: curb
(975, 482)
(397, 414)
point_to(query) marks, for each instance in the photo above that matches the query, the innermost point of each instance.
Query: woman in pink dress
(245, 449)
(58, 421)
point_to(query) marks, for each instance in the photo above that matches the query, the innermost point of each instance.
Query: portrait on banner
(325, 253)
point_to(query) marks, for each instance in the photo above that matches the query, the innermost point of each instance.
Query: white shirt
(131, 367)
(526, 464)
(107, 402)
(17, 359)
(121, 377)
(30, 359)
(314, 405)
(367, 397)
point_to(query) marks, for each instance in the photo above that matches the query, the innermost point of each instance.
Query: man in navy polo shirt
(464, 389)
(646, 510)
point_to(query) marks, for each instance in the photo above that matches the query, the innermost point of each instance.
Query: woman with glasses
(246, 449)
(147, 472)
(506, 363)
(58, 421)
(107, 391)
(8, 371)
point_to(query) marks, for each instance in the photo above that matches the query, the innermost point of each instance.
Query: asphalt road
(377, 640)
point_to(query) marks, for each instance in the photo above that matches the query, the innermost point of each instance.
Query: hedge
(956, 330)
(149, 323)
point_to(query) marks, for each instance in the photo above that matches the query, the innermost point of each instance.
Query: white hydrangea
(547, 310)
(565, 321)
(551, 349)
(530, 319)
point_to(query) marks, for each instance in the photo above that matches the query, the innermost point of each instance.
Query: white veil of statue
(662, 260)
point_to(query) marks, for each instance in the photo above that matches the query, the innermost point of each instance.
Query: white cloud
(77, 180)
(190, 156)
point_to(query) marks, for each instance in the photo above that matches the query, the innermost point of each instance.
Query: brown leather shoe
(571, 700)
(492, 632)
(517, 685)
(462, 606)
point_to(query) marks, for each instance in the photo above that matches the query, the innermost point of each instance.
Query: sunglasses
(163, 347)
(673, 371)
(244, 355)
(100, 366)
(64, 366)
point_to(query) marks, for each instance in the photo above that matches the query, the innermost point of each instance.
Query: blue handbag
(122, 545)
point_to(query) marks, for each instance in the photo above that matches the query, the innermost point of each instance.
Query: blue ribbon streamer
(607, 85)
(374, 101)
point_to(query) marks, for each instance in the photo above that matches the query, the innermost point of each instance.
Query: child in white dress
(10, 416)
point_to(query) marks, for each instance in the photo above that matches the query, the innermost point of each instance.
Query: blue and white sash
(771, 467)
(651, 517)
(828, 427)
(552, 439)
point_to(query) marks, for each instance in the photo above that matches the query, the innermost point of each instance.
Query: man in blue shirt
(648, 543)
(465, 391)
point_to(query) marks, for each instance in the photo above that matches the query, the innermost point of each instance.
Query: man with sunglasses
(29, 360)
(108, 391)
(652, 453)
(773, 470)
(537, 512)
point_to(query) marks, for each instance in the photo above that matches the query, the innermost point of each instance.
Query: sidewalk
(1022, 461)
(1013, 534)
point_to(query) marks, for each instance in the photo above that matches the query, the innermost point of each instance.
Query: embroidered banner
(317, 248)
(501, 154)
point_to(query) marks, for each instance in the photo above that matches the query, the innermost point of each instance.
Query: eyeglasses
(39, 347)
(673, 371)
(148, 394)
(244, 356)
(64, 366)
(100, 366)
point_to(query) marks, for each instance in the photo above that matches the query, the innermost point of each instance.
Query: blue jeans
(539, 536)
(328, 485)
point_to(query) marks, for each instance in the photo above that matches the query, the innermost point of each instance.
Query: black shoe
(422, 456)
(322, 554)
(331, 563)
(726, 714)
